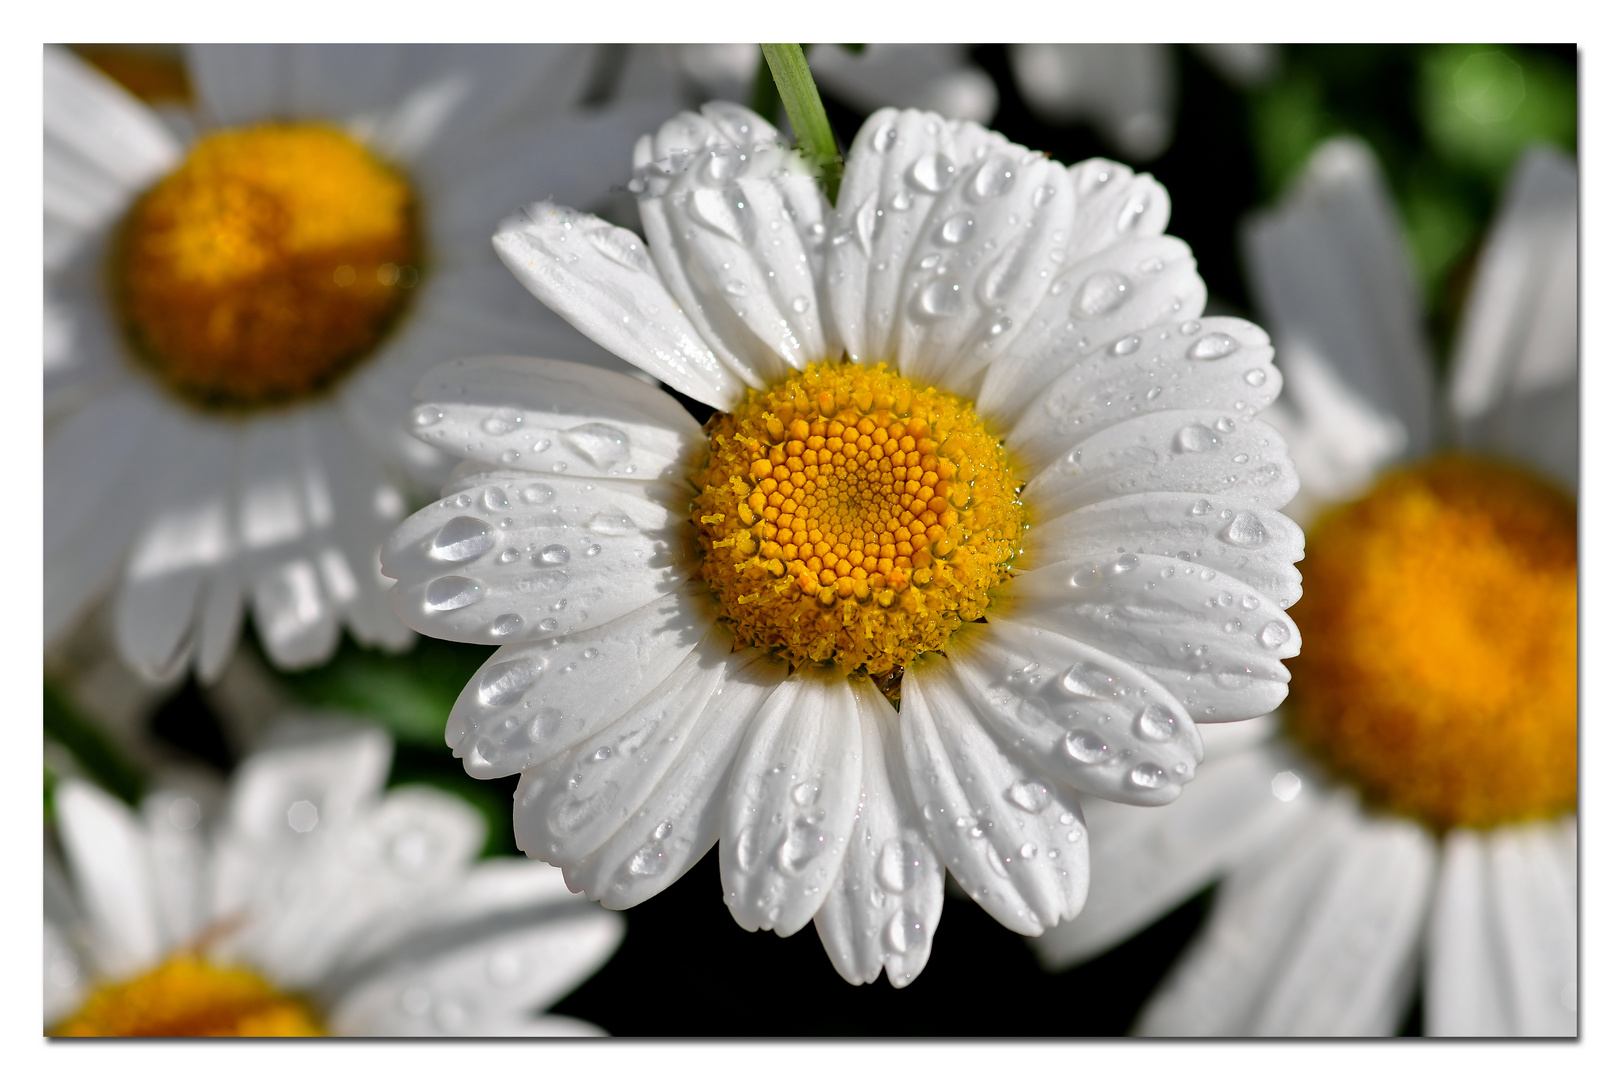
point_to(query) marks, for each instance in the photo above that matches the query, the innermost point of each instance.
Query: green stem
(806, 113)
(93, 750)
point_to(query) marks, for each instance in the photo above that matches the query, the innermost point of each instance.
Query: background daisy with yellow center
(985, 520)
(304, 900)
(239, 296)
(1412, 811)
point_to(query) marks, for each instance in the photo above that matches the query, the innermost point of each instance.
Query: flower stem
(806, 113)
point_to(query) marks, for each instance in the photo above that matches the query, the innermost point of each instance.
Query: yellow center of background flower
(1439, 658)
(264, 266)
(849, 516)
(187, 996)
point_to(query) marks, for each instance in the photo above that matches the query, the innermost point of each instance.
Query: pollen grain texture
(850, 517)
(1439, 667)
(266, 264)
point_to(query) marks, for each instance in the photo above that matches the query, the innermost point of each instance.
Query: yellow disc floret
(186, 995)
(1438, 671)
(851, 517)
(266, 264)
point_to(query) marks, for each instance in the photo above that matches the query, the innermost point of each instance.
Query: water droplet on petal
(1043, 194)
(1273, 635)
(461, 540)
(800, 305)
(933, 173)
(1212, 347)
(1195, 439)
(956, 229)
(939, 300)
(1029, 851)
(536, 494)
(1030, 795)
(450, 593)
(502, 422)
(1100, 294)
(1126, 345)
(906, 932)
(1147, 776)
(1086, 747)
(898, 866)
(506, 625)
(1156, 723)
(426, 416)
(1255, 376)
(1244, 530)
(601, 444)
(503, 683)
(552, 555)
(611, 523)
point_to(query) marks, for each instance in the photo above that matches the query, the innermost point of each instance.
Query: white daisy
(1414, 805)
(312, 903)
(233, 327)
(977, 340)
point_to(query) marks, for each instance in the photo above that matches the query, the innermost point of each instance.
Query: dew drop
(1212, 347)
(956, 229)
(610, 523)
(426, 416)
(1201, 507)
(601, 444)
(1156, 722)
(898, 866)
(1255, 376)
(1100, 294)
(502, 422)
(806, 793)
(1147, 776)
(1030, 795)
(1126, 345)
(506, 625)
(502, 684)
(537, 494)
(1195, 439)
(1273, 635)
(906, 932)
(901, 201)
(461, 540)
(1087, 680)
(800, 305)
(450, 593)
(939, 300)
(1029, 851)
(1086, 747)
(993, 178)
(1043, 194)
(1244, 530)
(883, 139)
(509, 556)
(552, 555)
(933, 173)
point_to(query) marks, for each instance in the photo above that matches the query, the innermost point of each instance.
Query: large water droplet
(462, 539)
(537, 494)
(426, 416)
(450, 593)
(502, 422)
(1156, 723)
(1195, 439)
(1043, 194)
(1030, 795)
(506, 625)
(1212, 347)
(933, 172)
(1087, 680)
(647, 861)
(611, 523)
(1126, 345)
(600, 444)
(1244, 530)
(898, 866)
(1147, 776)
(800, 305)
(956, 229)
(552, 555)
(802, 845)
(1255, 376)
(621, 246)
(723, 165)
(1273, 635)
(1101, 293)
(502, 684)
(906, 931)
(1086, 747)
(993, 178)
(806, 793)
(883, 139)
(939, 300)
(1029, 851)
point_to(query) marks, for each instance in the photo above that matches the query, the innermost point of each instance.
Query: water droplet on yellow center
(186, 995)
(850, 516)
(264, 266)
(1438, 666)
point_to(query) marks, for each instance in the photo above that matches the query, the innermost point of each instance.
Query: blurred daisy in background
(1414, 805)
(305, 900)
(1127, 91)
(239, 296)
(976, 434)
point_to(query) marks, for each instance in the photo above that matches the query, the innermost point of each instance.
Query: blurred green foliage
(93, 751)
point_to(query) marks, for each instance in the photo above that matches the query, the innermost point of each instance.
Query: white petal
(1331, 275)
(66, 974)
(945, 239)
(680, 821)
(1147, 861)
(1513, 377)
(445, 984)
(101, 147)
(572, 804)
(1213, 643)
(238, 84)
(367, 505)
(1198, 451)
(932, 77)
(335, 768)
(552, 416)
(177, 551)
(1191, 364)
(884, 909)
(219, 622)
(326, 887)
(1081, 717)
(529, 703)
(1015, 844)
(599, 278)
(178, 853)
(514, 556)
(1127, 90)
(790, 803)
(107, 853)
(1316, 939)
(1255, 546)
(735, 226)
(1111, 303)
(1503, 949)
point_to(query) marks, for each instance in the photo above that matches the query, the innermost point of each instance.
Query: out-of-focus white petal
(1012, 840)
(1330, 273)
(790, 803)
(1513, 389)
(933, 77)
(1243, 65)
(600, 278)
(107, 854)
(1127, 91)
(884, 909)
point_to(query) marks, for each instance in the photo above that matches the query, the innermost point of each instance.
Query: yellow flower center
(184, 996)
(849, 516)
(265, 265)
(1438, 670)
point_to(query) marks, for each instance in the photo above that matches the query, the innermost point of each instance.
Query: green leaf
(410, 694)
(1483, 105)
(806, 113)
(100, 759)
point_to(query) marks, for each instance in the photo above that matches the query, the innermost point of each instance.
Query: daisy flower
(312, 902)
(238, 301)
(974, 433)
(1414, 806)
